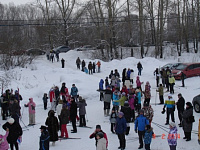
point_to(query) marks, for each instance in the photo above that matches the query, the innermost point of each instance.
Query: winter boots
(105, 115)
(108, 112)
(127, 130)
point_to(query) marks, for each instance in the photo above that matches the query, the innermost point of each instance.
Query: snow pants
(31, 118)
(64, 131)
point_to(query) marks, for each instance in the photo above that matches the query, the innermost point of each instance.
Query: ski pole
(22, 121)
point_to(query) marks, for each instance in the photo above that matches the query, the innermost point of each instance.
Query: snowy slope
(40, 76)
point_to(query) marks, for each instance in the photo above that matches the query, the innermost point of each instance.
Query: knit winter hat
(11, 120)
(172, 124)
(100, 134)
(98, 126)
(120, 114)
(189, 104)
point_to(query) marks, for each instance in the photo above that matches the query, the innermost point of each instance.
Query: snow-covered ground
(40, 76)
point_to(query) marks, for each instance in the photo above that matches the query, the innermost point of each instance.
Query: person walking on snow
(78, 62)
(139, 66)
(99, 66)
(31, 108)
(52, 98)
(83, 65)
(63, 63)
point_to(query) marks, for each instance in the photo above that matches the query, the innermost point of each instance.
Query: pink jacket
(4, 144)
(138, 83)
(31, 106)
(131, 102)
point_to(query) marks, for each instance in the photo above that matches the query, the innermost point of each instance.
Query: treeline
(107, 24)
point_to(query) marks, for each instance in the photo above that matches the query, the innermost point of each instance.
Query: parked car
(171, 65)
(196, 103)
(61, 49)
(189, 69)
(85, 48)
(35, 51)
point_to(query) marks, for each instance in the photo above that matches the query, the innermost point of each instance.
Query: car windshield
(181, 67)
(167, 65)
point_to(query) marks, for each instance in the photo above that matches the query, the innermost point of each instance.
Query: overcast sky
(16, 2)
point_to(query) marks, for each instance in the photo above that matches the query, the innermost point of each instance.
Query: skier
(44, 138)
(31, 107)
(140, 122)
(15, 132)
(180, 107)
(63, 63)
(170, 104)
(139, 66)
(120, 130)
(52, 123)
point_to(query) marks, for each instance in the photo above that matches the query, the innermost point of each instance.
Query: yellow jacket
(171, 80)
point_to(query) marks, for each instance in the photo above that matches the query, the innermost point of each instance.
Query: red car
(189, 69)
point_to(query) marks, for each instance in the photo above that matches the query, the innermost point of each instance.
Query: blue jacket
(128, 73)
(74, 91)
(148, 136)
(101, 84)
(115, 97)
(139, 97)
(140, 123)
(120, 127)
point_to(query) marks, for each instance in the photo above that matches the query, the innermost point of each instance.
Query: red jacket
(93, 135)
(51, 95)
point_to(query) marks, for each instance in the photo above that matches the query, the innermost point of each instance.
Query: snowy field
(40, 76)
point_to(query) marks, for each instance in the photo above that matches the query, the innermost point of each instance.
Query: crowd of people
(129, 102)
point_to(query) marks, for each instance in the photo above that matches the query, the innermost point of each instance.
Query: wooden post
(199, 132)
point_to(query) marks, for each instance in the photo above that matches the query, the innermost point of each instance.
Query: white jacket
(101, 144)
(59, 108)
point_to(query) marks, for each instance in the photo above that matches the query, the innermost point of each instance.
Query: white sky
(16, 2)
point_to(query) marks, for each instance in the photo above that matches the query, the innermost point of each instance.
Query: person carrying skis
(31, 108)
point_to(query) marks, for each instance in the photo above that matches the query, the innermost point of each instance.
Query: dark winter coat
(78, 61)
(108, 96)
(187, 127)
(113, 117)
(127, 112)
(52, 123)
(45, 99)
(57, 93)
(180, 104)
(83, 63)
(81, 106)
(44, 140)
(64, 116)
(106, 83)
(15, 131)
(90, 67)
(120, 127)
(139, 66)
(73, 109)
(124, 75)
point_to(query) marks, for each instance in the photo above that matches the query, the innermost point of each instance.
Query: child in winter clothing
(106, 83)
(138, 83)
(172, 136)
(3, 141)
(45, 100)
(101, 82)
(132, 106)
(113, 119)
(31, 106)
(148, 136)
(121, 100)
(44, 138)
(138, 95)
(101, 141)
(115, 98)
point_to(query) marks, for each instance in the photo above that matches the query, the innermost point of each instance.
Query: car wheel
(197, 107)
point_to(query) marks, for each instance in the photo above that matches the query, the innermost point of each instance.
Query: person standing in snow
(17, 96)
(78, 63)
(180, 107)
(15, 110)
(187, 121)
(64, 92)
(139, 66)
(140, 123)
(157, 74)
(52, 98)
(31, 108)
(53, 127)
(44, 138)
(111, 74)
(113, 119)
(131, 76)
(148, 112)
(183, 76)
(94, 135)
(57, 94)
(131, 102)
(83, 65)
(170, 104)
(45, 100)
(138, 99)
(101, 89)
(101, 141)
(90, 67)
(127, 114)
(74, 92)
(120, 130)
(3, 141)
(148, 136)
(147, 93)
(128, 73)
(160, 91)
(138, 83)
(63, 63)
(172, 136)
(94, 67)
(116, 74)
(124, 75)
(106, 83)
(113, 81)
(99, 66)
(64, 120)
(58, 111)
(57, 56)
(171, 83)
(73, 114)
(107, 100)
(82, 111)
(15, 132)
